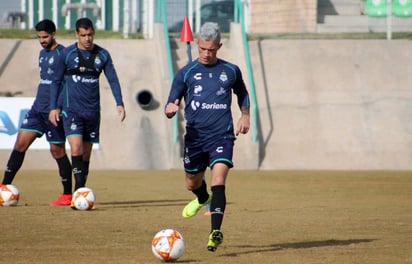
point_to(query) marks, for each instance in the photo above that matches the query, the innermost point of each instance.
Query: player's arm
(172, 108)
(243, 124)
(175, 95)
(55, 89)
(243, 101)
(112, 78)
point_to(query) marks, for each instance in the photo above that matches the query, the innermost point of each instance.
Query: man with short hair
(206, 84)
(36, 122)
(79, 70)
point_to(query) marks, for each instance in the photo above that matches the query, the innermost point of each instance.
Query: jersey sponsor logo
(204, 106)
(197, 89)
(45, 81)
(213, 106)
(195, 105)
(221, 91)
(198, 76)
(77, 78)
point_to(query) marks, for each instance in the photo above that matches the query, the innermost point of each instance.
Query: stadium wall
(279, 16)
(322, 104)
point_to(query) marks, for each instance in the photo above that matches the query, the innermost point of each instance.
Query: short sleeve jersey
(47, 66)
(207, 92)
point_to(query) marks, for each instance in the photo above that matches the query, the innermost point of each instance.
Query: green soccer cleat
(215, 239)
(193, 207)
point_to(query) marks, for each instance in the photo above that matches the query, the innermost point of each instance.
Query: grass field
(271, 217)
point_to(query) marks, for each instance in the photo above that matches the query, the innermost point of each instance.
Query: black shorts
(83, 124)
(39, 123)
(197, 159)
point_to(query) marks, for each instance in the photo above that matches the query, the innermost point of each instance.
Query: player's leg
(221, 154)
(197, 185)
(74, 130)
(195, 167)
(24, 139)
(57, 139)
(87, 152)
(58, 152)
(76, 148)
(217, 204)
(91, 135)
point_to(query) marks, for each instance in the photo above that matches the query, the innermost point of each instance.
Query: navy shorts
(39, 123)
(197, 159)
(84, 124)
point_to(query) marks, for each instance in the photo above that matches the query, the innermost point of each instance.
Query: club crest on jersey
(51, 60)
(73, 126)
(97, 60)
(223, 76)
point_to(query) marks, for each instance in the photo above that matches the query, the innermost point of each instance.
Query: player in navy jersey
(206, 85)
(36, 122)
(79, 70)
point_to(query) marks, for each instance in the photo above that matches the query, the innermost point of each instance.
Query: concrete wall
(322, 104)
(279, 16)
(334, 104)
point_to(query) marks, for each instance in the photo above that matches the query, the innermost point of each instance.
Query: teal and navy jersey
(79, 70)
(47, 66)
(207, 92)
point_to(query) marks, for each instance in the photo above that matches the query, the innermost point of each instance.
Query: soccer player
(79, 70)
(206, 84)
(36, 122)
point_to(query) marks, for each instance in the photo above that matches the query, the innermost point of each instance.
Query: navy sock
(78, 172)
(217, 206)
(65, 171)
(86, 165)
(201, 193)
(13, 165)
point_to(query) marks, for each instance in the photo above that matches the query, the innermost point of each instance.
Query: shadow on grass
(297, 245)
(146, 203)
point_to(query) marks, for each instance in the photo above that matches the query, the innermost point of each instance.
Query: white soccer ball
(9, 195)
(168, 245)
(83, 199)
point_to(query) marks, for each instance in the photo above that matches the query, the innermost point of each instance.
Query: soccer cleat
(193, 207)
(215, 239)
(63, 200)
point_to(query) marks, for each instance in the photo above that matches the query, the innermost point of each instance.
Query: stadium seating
(402, 8)
(376, 8)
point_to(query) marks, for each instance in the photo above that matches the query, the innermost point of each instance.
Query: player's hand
(172, 108)
(122, 112)
(243, 125)
(54, 116)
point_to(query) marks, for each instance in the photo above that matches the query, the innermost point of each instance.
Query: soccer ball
(83, 199)
(168, 245)
(9, 195)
